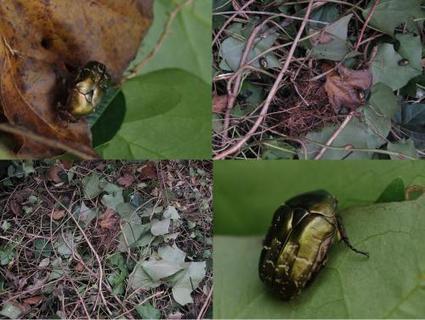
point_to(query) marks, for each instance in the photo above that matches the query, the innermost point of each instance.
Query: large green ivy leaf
(232, 48)
(406, 147)
(386, 68)
(168, 116)
(246, 193)
(188, 45)
(381, 108)
(390, 284)
(411, 120)
(336, 46)
(356, 134)
(389, 14)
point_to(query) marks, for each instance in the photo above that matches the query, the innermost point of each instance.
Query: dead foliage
(42, 46)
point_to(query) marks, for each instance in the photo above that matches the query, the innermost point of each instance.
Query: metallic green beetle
(87, 90)
(296, 245)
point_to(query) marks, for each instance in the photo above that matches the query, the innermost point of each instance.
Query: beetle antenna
(344, 237)
(348, 244)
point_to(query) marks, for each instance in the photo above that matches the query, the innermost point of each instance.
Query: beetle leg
(342, 235)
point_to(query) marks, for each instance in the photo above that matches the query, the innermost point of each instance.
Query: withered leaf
(126, 180)
(79, 267)
(344, 87)
(219, 103)
(148, 171)
(108, 220)
(54, 173)
(58, 214)
(44, 43)
(33, 300)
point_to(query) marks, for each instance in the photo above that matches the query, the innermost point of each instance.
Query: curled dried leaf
(42, 46)
(108, 220)
(219, 103)
(345, 87)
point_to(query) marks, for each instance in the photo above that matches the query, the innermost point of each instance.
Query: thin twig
(46, 141)
(136, 70)
(369, 16)
(205, 306)
(233, 93)
(270, 96)
(335, 135)
(100, 282)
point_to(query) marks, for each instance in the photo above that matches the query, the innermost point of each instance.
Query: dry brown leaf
(126, 180)
(54, 173)
(58, 214)
(79, 267)
(219, 103)
(67, 164)
(33, 300)
(108, 220)
(15, 207)
(43, 43)
(148, 171)
(344, 87)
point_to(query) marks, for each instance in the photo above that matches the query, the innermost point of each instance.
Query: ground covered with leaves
(318, 79)
(110, 239)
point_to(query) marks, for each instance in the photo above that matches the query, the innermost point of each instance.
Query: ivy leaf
(163, 126)
(386, 68)
(349, 286)
(405, 147)
(148, 311)
(232, 48)
(381, 108)
(331, 43)
(389, 14)
(356, 135)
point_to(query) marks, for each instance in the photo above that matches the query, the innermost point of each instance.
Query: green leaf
(160, 227)
(140, 279)
(148, 311)
(411, 119)
(326, 13)
(355, 134)
(386, 68)
(42, 247)
(165, 118)
(188, 282)
(277, 149)
(172, 254)
(349, 286)
(393, 192)
(336, 47)
(6, 255)
(161, 269)
(12, 310)
(66, 244)
(84, 214)
(118, 277)
(114, 196)
(231, 51)
(131, 233)
(252, 190)
(389, 14)
(405, 147)
(381, 108)
(411, 49)
(92, 186)
(171, 213)
(110, 121)
(188, 45)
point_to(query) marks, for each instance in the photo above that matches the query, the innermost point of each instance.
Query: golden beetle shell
(88, 89)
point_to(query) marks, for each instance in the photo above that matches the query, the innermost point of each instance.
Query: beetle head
(319, 201)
